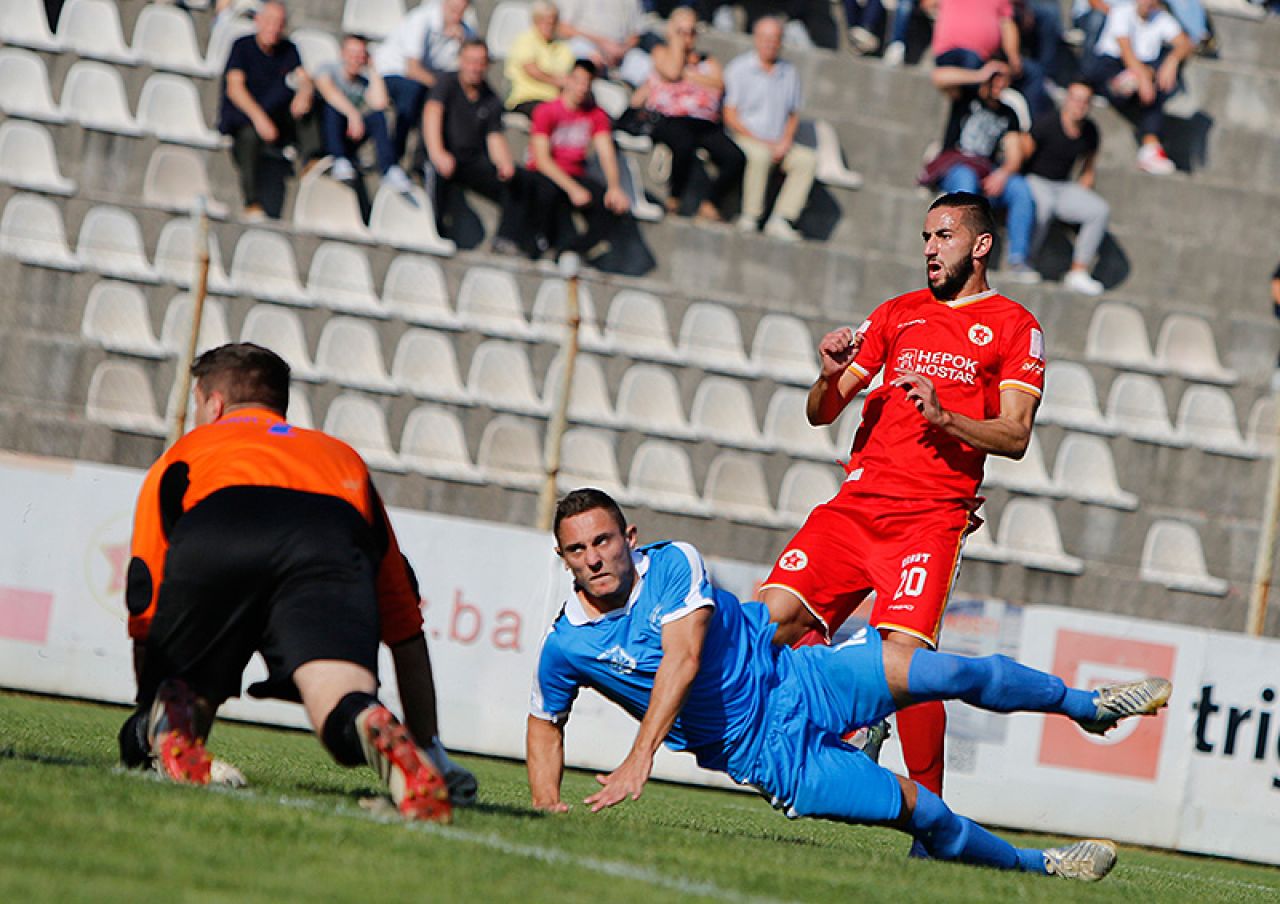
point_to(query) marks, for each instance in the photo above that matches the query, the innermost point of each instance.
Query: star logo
(793, 560)
(981, 334)
(117, 555)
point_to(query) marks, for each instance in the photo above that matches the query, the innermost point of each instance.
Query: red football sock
(922, 729)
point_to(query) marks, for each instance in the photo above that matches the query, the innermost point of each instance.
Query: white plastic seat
(1173, 557)
(92, 29)
(176, 256)
(169, 109)
(1207, 420)
(111, 242)
(1118, 336)
(805, 486)
(783, 349)
(121, 397)
(116, 317)
(318, 48)
(415, 290)
(550, 307)
(722, 413)
(433, 443)
(93, 95)
(1071, 399)
(31, 229)
(300, 409)
(711, 337)
(831, 168)
(226, 31)
(979, 544)
(28, 159)
(1086, 470)
(510, 453)
(263, 266)
(175, 178)
(736, 488)
(587, 459)
(280, 330)
(501, 378)
(508, 21)
(24, 86)
(611, 97)
(1025, 475)
(637, 326)
(327, 207)
(175, 333)
(1186, 347)
(1261, 432)
(341, 279)
(1029, 536)
(787, 427)
(164, 37)
(372, 18)
(407, 222)
(589, 398)
(25, 23)
(350, 353)
(361, 424)
(1136, 407)
(426, 365)
(489, 301)
(632, 182)
(661, 478)
(649, 401)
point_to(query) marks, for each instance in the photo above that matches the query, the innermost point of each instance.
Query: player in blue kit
(646, 628)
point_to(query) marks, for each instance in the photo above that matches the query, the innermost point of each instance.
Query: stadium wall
(1202, 777)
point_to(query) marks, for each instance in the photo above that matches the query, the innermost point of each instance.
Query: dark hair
(586, 500)
(586, 66)
(473, 42)
(354, 36)
(977, 210)
(1081, 81)
(245, 373)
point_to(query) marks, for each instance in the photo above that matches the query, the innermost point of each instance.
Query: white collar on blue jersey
(577, 615)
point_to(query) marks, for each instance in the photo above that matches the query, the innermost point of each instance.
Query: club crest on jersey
(793, 560)
(981, 334)
(618, 659)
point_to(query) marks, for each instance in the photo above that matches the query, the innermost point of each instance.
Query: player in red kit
(964, 369)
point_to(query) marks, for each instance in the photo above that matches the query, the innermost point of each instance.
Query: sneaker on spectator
(252, 213)
(1021, 274)
(747, 224)
(342, 170)
(1080, 281)
(780, 229)
(863, 41)
(1152, 159)
(398, 179)
(895, 54)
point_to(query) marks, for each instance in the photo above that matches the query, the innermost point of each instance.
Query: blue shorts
(802, 763)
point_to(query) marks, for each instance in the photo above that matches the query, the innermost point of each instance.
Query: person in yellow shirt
(538, 63)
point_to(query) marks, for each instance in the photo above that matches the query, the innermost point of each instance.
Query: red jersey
(972, 349)
(570, 133)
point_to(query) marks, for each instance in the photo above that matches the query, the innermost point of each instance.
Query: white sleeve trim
(693, 598)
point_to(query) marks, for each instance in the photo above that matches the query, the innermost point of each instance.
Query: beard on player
(947, 280)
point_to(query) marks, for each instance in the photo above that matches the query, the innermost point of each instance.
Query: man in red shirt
(964, 369)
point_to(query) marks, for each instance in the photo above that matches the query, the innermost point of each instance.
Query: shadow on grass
(46, 759)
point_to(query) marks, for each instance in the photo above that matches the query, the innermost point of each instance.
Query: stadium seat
(28, 160)
(786, 427)
(1261, 431)
(1136, 408)
(736, 489)
(169, 109)
(501, 378)
(164, 38)
(280, 330)
(175, 334)
(31, 230)
(1071, 399)
(649, 401)
(176, 257)
(489, 301)
(176, 178)
(783, 350)
(1029, 536)
(1118, 336)
(116, 317)
(612, 97)
(831, 166)
(978, 544)
(300, 408)
(805, 486)
(426, 365)
(1086, 471)
(407, 222)
(589, 399)
(415, 290)
(711, 338)
(661, 478)
(350, 353)
(91, 28)
(341, 279)
(722, 413)
(121, 397)
(93, 95)
(326, 207)
(1207, 420)
(1186, 347)
(24, 86)
(636, 326)
(587, 459)
(111, 242)
(372, 18)
(226, 31)
(1173, 557)
(318, 48)
(1025, 475)
(25, 23)
(507, 22)
(633, 184)
(263, 267)
(549, 311)
(510, 453)
(433, 444)
(361, 424)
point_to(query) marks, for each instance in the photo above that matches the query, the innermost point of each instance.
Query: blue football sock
(947, 836)
(995, 683)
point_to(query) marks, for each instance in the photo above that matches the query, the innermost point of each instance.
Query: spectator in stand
(968, 33)
(1040, 35)
(607, 32)
(265, 93)
(462, 128)
(982, 152)
(564, 131)
(761, 108)
(864, 21)
(1136, 66)
(1090, 15)
(895, 53)
(537, 63)
(685, 90)
(1058, 142)
(423, 45)
(354, 101)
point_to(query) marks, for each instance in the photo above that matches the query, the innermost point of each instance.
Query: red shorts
(906, 550)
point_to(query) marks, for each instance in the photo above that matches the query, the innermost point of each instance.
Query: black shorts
(286, 573)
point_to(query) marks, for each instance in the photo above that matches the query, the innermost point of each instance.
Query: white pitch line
(1213, 880)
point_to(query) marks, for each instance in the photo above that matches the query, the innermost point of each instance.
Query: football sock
(948, 836)
(995, 683)
(922, 731)
(340, 735)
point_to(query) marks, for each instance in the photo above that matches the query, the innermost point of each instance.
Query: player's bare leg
(793, 618)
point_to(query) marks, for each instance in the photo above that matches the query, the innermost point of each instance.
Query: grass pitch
(73, 827)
